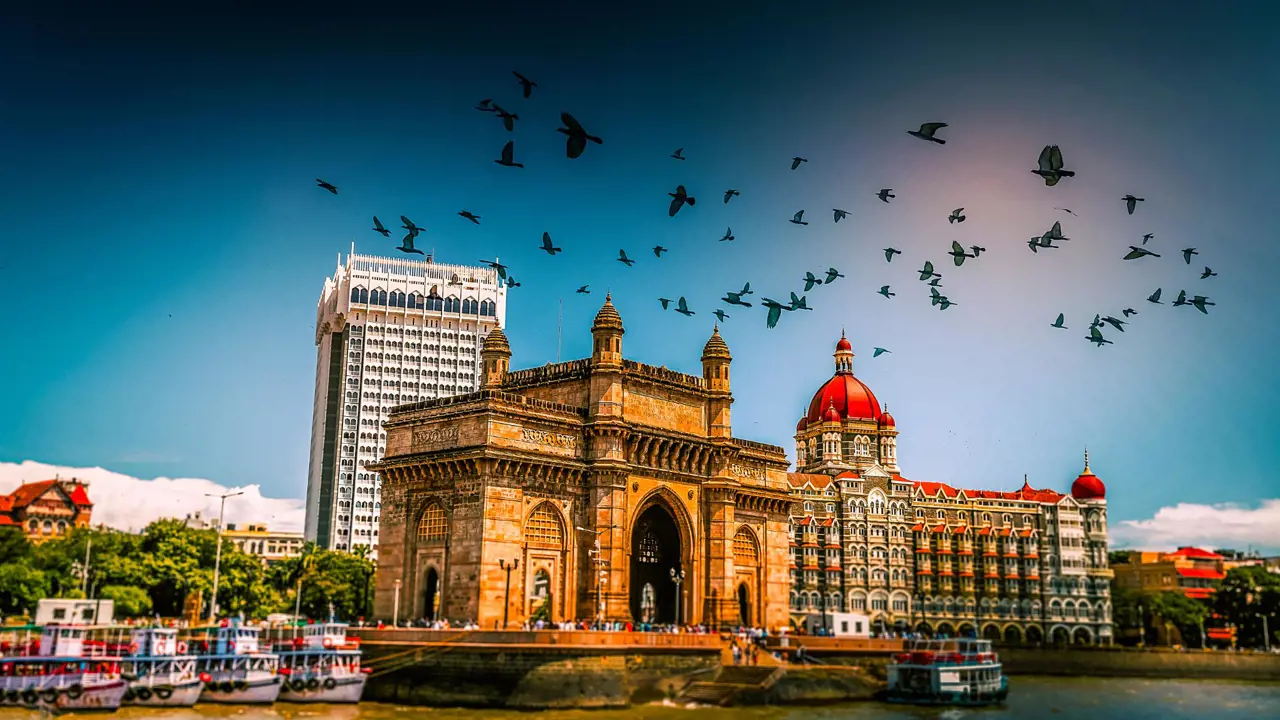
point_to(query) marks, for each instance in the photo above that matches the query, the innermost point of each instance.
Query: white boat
(56, 674)
(322, 665)
(235, 670)
(159, 670)
(947, 672)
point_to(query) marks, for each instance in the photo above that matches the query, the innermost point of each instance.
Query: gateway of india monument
(595, 488)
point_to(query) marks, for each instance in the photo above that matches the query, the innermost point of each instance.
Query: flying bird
(508, 155)
(658, 250)
(746, 289)
(840, 214)
(1199, 301)
(408, 225)
(1207, 273)
(502, 269)
(1155, 297)
(665, 302)
(483, 105)
(1136, 252)
(832, 274)
(958, 254)
(884, 290)
(728, 235)
(378, 227)
(795, 162)
(927, 272)
(1059, 322)
(679, 199)
(934, 296)
(977, 250)
(1066, 210)
(683, 308)
(1050, 166)
(406, 245)
(880, 351)
(1095, 337)
(936, 282)
(1147, 237)
(927, 131)
(508, 119)
(547, 246)
(1128, 312)
(944, 302)
(885, 194)
(678, 154)
(733, 298)
(1055, 233)
(331, 188)
(525, 83)
(795, 220)
(470, 216)
(890, 252)
(622, 258)
(720, 314)
(1182, 298)
(577, 136)
(775, 311)
(584, 290)
(799, 303)
(730, 193)
(956, 216)
(1115, 323)
(1131, 202)
(1187, 253)
(1034, 244)
(511, 282)
(810, 280)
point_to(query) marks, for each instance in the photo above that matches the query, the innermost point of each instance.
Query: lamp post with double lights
(217, 556)
(602, 568)
(677, 577)
(506, 596)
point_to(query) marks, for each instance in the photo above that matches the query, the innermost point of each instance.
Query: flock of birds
(1049, 167)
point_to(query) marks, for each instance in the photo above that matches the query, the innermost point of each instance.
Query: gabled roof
(1195, 553)
(30, 492)
(814, 480)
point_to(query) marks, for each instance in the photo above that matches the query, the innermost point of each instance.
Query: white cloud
(130, 503)
(1227, 525)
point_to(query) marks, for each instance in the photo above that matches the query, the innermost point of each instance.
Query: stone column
(718, 588)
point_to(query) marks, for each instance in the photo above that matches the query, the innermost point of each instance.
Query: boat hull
(105, 696)
(148, 693)
(331, 690)
(260, 691)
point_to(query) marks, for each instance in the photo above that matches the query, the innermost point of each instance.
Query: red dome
(802, 424)
(844, 344)
(886, 420)
(848, 396)
(1088, 487)
(831, 415)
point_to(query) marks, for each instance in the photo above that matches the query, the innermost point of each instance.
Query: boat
(55, 673)
(159, 670)
(234, 669)
(323, 665)
(947, 672)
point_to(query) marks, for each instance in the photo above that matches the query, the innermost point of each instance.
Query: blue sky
(164, 241)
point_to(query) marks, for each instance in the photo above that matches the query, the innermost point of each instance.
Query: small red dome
(886, 420)
(848, 395)
(844, 344)
(800, 426)
(1088, 487)
(831, 415)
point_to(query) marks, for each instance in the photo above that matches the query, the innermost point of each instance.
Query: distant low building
(47, 509)
(838, 624)
(271, 546)
(1191, 571)
(73, 611)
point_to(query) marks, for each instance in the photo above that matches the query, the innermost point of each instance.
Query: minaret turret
(715, 372)
(495, 359)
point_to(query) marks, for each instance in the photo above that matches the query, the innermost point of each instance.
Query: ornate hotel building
(1024, 566)
(389, 331)
(598, 487)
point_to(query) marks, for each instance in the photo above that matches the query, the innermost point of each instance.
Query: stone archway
(991, 632)
(1034, 636)
(744, 605)
(924, 628)
(966, 630)
(655, 551)
(1082, 636)
(1012, 635)
(945, 629)
(1061, 635)
(431, 595)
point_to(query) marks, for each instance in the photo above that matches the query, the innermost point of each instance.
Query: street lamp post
(602, 572)
(395, 605)
(217, 557)
(506, 597)
(677, 577)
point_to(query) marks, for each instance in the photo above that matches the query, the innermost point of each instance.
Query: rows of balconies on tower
(989, 561)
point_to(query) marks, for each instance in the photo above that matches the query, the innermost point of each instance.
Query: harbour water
(1031, 698)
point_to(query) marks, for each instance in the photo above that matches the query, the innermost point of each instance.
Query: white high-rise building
(389, 331)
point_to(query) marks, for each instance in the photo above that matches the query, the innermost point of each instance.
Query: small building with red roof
(1192, 571)
(47, 509)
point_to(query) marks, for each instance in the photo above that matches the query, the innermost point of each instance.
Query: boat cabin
(236, 639)
(156, 642)
(324, 636)
(62, 641)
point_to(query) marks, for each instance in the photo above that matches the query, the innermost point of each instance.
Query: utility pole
(506, 597)
(602, 573)
(217, 557)
(84, 577)
(677, 577)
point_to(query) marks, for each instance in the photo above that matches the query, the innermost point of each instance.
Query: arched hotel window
(434, 302)
(451, 304)
(355, 294)
(396, 299)
(433, 526)
(468, 306)
(876, 502)
(364, 295)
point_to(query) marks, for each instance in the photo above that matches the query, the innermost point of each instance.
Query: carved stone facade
(595, 480)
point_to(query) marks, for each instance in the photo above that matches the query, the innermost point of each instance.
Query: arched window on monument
(544, 529)
(433, 526)
(649, 549)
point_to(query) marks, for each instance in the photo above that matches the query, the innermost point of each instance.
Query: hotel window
(831, 507)
(808, 507)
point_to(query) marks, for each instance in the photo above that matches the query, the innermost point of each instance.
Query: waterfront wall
(1103, 662)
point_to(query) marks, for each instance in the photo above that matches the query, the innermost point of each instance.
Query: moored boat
(947, 672)
(55, 673)
(235, 670)
(159, 670)
(322, 665)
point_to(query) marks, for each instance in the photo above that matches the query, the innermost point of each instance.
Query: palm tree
(303, 565)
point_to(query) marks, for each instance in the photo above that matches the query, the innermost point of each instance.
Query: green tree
(130, 602)
(1245, 597)
(1179, 611)
(14, 546)
(21, 587)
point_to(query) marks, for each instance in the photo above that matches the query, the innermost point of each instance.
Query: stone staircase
(728, 682)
